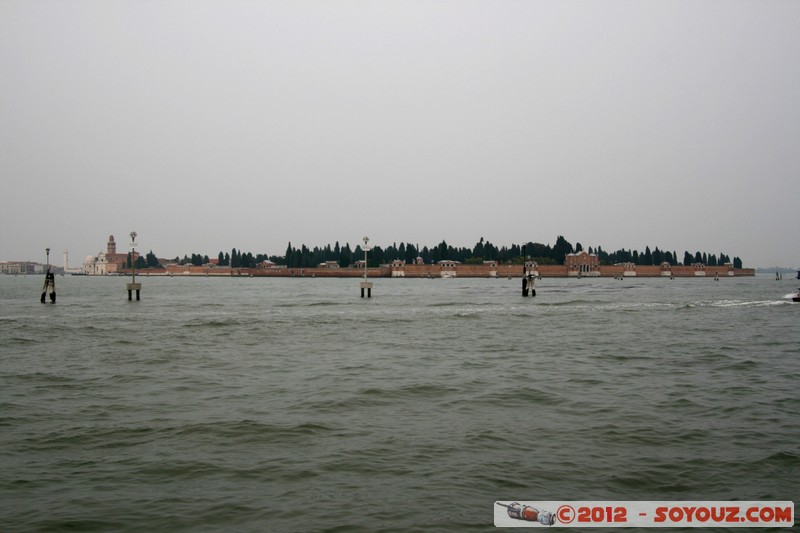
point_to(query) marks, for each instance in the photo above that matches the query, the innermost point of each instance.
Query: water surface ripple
(295, 405)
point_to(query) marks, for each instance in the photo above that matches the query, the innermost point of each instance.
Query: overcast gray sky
(205, 125)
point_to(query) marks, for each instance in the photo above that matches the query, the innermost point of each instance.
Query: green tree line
(483, 250)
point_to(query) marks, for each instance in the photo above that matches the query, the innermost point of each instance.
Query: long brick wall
(460, 271)
(561, 271)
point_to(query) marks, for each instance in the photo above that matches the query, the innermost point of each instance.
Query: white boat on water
(794, 296)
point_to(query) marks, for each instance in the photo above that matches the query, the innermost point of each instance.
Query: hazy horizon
(123, 246)
(210, 125)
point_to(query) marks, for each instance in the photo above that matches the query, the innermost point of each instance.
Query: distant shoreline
(455, 271)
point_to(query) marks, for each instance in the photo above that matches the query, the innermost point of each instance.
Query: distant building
(628, 269)
(18, 267)
(699, 269)
(108, 262)
(582, 264)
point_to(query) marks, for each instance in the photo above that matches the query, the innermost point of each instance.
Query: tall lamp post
(366, 284)
(133, 286)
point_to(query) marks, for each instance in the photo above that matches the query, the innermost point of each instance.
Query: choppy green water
(295, 405)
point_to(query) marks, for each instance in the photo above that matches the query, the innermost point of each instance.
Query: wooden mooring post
(527, 276)
(49, 281)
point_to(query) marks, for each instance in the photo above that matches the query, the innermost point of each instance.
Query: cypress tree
(560, 250)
